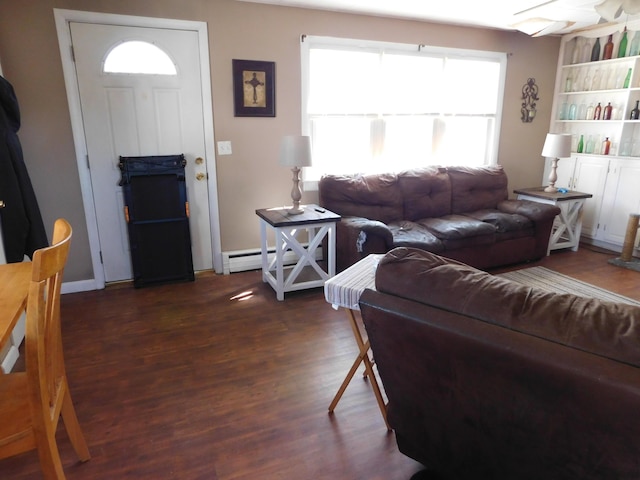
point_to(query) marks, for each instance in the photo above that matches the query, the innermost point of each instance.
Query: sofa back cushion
(606, 329)
(376, 197)
(426, 193)
(477, 188)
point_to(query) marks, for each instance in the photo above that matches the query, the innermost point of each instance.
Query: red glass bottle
(598, 112)
(608, 49)
(607, 112)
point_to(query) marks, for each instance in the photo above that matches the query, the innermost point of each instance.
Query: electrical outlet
(224, 147)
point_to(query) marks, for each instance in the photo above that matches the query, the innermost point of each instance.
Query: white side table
(567, 226)
(306, 273)
(344, 290)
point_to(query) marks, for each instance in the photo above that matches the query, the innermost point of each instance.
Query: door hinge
(101, 261)
(87, 159)
(73, 54)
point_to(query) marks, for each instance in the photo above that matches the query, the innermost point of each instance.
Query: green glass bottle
(622, 48)
(627, 79)
(581, 144)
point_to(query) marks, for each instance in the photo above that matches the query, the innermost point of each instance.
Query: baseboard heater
(244, 260)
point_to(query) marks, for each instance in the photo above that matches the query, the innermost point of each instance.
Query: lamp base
(551, 189)
(295, 211)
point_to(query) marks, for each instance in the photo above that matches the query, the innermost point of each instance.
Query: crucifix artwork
(254, 88)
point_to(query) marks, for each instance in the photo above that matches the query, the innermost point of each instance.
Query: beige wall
(251, 177)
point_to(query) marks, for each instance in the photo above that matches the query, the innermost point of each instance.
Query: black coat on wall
(22, 227)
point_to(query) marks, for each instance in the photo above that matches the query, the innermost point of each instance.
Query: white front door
(128, 114)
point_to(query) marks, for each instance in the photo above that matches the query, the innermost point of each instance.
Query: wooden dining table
(14, 289)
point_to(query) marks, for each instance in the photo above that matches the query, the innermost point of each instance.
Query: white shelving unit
(582, 84)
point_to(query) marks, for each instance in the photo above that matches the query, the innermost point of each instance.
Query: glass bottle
(573, 111)
(581, 144)
(564, 108)
(627, 79)
(582, 111)
(622, 48)
(635, 45)
(575, 56)
(595, 83)
(615, 112)
(611, 80)
(606, 145)
(595, 51)
(635, 112)
(568, 83)
(590, 144)
(606, 115)
(620, 76)
(590, 111)
(597, 112)
(608, 49)
(585, 54)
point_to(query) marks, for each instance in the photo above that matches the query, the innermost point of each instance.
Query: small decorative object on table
(556, 145)
(295, 151)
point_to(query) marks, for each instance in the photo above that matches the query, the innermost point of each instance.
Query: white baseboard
(244, 260)
(79, 286)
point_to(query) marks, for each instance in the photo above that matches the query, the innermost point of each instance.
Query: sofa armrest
(358, 237)
(541, 214)
(537, 212)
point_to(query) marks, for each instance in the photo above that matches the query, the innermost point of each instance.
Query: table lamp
(295, 152)
(556, 146)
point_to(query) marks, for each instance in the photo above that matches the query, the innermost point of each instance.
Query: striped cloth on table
(345, 288)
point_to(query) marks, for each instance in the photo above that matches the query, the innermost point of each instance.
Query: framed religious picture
(254, 89)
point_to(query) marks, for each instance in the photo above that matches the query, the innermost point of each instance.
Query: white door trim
(62, 19)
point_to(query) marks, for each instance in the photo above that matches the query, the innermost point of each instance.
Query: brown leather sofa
(459, 212)
(489, 379)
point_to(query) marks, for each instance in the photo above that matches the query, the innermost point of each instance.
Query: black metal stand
(157, 214)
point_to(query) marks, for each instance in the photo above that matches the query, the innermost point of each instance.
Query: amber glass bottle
(608, 49)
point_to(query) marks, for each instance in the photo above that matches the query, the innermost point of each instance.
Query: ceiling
(533, 17)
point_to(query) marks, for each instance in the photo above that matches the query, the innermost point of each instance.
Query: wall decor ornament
(254, 92)
(529, 99)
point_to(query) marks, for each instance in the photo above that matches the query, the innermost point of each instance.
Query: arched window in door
(138, 57)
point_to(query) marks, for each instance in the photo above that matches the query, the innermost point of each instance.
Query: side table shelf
(567, 226)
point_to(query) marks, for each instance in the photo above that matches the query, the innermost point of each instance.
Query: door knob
(201, 176)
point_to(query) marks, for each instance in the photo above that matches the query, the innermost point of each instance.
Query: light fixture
(556, 146)
(295, 152)
(610, 10)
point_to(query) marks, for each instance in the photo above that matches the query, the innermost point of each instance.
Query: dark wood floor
(217, 380)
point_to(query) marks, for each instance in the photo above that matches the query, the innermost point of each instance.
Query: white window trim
(307, 41)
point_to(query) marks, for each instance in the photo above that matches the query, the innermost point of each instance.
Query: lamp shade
(557, 145)
(295, 151)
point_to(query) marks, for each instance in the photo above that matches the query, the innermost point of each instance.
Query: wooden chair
(31, 402)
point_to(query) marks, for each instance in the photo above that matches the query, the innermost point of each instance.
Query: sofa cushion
(459, 231)
(411, 234)
(426, 193)
(607, 329)
(477, 188)
(503, 222)
(376, 197)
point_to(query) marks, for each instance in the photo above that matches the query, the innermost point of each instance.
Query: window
(377, 107)
(136, 57)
